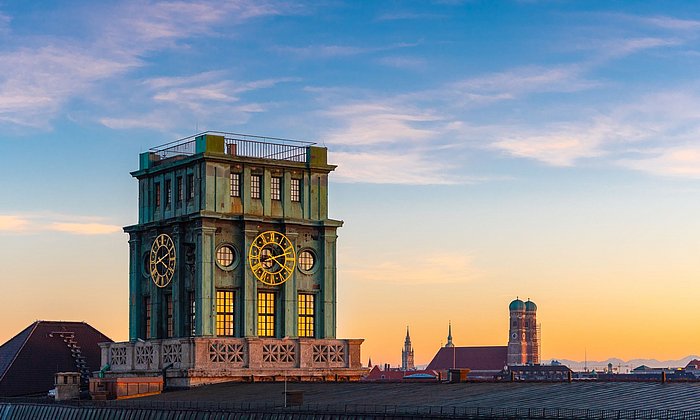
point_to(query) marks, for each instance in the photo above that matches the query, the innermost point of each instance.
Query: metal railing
(179, 409)
(240, 145)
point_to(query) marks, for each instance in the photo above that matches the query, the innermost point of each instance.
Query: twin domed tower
(524, 334)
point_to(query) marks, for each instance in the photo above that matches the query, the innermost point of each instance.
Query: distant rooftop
(246, 145)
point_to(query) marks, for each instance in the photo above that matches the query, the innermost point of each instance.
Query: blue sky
(486, 149)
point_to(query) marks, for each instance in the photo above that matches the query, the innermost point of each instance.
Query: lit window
(224, 313)
(169, 314)
(147, 312)
(306, 260)
(192, 312)
(295, 190)
(168, 193)
(225, 256)
(235, 184)
(180, 193)
(190, 187)
(276, 188)
(157, 194)
(266, 314)
(255, 181)
(306, 315)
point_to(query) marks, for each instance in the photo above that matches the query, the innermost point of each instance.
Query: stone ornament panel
(328, 353)
(172, 353)
(279, 353)
(145, 355)
(117, 356)
(222, 352)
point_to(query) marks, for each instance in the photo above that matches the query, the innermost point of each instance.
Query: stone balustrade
(232, 356)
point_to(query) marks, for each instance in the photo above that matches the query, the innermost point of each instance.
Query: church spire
(449, 335)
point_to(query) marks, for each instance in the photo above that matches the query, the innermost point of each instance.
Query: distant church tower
(407, 354)
(523, 337)
(449, 336)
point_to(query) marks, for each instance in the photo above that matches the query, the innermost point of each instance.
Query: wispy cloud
(10, 223)
(332, 51)
(40, 223)
(434, 268)
(403, 62)
(118, 39)
(203, 98)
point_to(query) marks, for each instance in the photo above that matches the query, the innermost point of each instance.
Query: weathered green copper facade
(201, 220)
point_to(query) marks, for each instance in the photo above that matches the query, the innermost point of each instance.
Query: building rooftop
(245, 145)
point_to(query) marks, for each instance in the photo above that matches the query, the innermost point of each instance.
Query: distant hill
(624, 365)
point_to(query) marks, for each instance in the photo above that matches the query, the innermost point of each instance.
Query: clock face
(272, 258)
(162, 260)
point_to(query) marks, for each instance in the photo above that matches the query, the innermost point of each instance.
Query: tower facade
(407, 361)
(234, 257)
(523, 334)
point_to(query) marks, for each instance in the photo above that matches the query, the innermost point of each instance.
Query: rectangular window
(235, 184)
(169, 315)
(306, 315)
(168, 193)
(192, 314)
(157, 194)
(180, 192)
(276, 188)
(266, 314)
(190, 187)
(295, 191)
(147, 315)
(255, 190)
(224, 313)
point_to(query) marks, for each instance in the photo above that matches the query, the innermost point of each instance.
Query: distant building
(539, 372)
(484, 361)
(523, 337)
(29, 360)
(407, 360)
(400, 375)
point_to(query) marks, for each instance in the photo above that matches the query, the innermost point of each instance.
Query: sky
(485, 149)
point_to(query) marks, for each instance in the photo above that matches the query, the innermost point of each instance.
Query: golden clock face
(272, 258)
(162, 261)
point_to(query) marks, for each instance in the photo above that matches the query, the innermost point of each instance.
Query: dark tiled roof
(474, 358)
(9, 350)
(43, 349)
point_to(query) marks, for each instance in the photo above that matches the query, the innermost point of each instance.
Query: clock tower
(233, 264)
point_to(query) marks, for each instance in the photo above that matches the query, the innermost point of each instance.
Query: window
(295, 191)
(180, 192)
(306, 315)
(168, 193)
(157, 194)
(190, 298)
(169, 315)
(224, 313)
(235, 184)
(276, 188)
(225, 256)
(190, 187)
(266, 314)
(306, 260)
(147, 312)
(255, 181)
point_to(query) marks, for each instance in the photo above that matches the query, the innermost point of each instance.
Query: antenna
(585, 359)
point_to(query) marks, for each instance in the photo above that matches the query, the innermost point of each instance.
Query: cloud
(117, 40)
(408, 168)
(9, 223)
(85, 228)
(333, 51)
(46, 222)
(676, 162)
(525, 80)
(404, 63)
(203, 99)
(434, 268)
